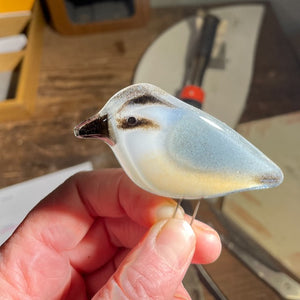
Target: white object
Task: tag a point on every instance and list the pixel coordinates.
(13, 43)
(164, 62)
(17, 200)
(172, 149)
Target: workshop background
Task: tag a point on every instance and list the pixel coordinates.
(57, 67)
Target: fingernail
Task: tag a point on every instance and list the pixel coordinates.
(204, 227)
(180, 297)
(167, 211)
(176, 242)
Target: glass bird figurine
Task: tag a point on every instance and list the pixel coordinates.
(173, 149)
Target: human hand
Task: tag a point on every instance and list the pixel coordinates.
(100, 236)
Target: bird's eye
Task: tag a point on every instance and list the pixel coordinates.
(131, 121)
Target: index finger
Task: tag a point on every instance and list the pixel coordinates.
(110, 193)
(64, 217)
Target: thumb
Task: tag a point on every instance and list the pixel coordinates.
(155, 268)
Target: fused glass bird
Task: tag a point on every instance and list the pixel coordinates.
(173, 149)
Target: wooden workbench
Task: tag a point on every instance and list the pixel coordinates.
(79, 74)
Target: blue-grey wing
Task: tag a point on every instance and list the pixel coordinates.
(200, 142)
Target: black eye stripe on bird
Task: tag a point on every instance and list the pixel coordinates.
(141, 123)
(144, 100)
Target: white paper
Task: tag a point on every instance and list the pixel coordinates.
(17, 200)
(13, 43)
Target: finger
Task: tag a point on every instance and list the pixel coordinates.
(124, 232)
(182, 293)
(65, 216)
(143, 207)
(208, 243)
(117, 196)
(102, 241)
(208, 247)
(94, 250)
(96, 280)
(167, 251)
(76, 289)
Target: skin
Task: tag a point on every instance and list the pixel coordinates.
(99, 236)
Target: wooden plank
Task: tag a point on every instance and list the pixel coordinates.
(9, 61)
(26, 93)
(28, 83)
(10, 108)
(271, 217)
(10, 25)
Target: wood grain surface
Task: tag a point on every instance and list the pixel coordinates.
(79, 74)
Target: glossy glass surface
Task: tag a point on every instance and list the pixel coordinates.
(172, 149)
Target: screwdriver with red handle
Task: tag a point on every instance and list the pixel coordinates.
(192, 92)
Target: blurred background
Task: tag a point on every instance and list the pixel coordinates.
(287, 13)
(61, 60)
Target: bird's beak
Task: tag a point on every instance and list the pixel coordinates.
(94, 127)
